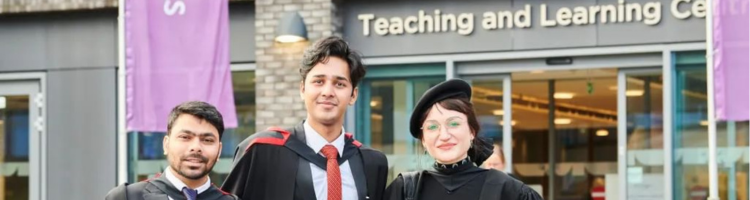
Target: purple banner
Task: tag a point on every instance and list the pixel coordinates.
(731, 59)
(176, 51)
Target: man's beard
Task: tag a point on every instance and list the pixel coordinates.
(200, 175)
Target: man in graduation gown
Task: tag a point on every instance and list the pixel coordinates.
(316, 159)
(192, 146)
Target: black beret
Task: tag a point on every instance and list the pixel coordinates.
(453, 88)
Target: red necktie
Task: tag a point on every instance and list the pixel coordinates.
(332, 172)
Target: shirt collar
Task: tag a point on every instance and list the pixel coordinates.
(177, 183)
(317, 142)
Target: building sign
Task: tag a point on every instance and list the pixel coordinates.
(443, 26)
(649, 13)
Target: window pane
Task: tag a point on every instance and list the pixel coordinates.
(577, 142)
(690, 139)
(530, 134)
(14, 147)
(732, 143)
(390, 110)
(487, 97)
(645, 168)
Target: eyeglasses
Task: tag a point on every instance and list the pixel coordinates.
(433, 126)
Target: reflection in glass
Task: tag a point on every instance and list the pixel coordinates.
(690, 139)
(645, 168)
(14, 147)
(690, 135)
(732, 143)
(487, 98)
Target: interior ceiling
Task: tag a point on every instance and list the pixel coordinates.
(531, 98)
(531, 101)
(19, 102)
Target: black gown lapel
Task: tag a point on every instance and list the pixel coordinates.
(306, 154)
(356, 165)
(304, 183)
(162, 184)
(298, 145)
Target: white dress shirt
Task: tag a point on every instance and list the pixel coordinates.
(177, 183)
(319, 176)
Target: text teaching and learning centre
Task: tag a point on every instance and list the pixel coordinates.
(580, 94)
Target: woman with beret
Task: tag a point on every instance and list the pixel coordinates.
(445, 123)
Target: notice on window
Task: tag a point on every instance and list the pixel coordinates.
(651, 187)
(635, 175)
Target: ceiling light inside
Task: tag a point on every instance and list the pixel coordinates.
(634, 93)
(564, 95)
(512, 123)
(704, 122)
(537, 71)
(562, 121)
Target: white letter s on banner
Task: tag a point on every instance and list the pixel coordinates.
(170, 9)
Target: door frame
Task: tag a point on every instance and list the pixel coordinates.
(33, 85)
(622, 135)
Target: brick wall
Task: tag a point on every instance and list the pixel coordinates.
(277, 65)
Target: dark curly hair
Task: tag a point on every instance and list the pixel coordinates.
(333, 46)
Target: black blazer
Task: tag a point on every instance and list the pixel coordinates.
(160, 188)
(275, 165)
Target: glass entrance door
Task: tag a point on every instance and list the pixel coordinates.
(640, 102)
(566, 128)
(564, 132)
(20, 151)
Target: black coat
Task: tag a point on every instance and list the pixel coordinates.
(475, 184)
(160, 188)
(275, 165)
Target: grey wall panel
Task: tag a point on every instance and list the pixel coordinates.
(82, 40)
(668, 30)
(22, 45)
(58, 40)
(81, 133)
(538, 37)
(242, 32)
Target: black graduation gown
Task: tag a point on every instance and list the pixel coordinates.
(470, 183)
(160, 188)
(275, 165)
